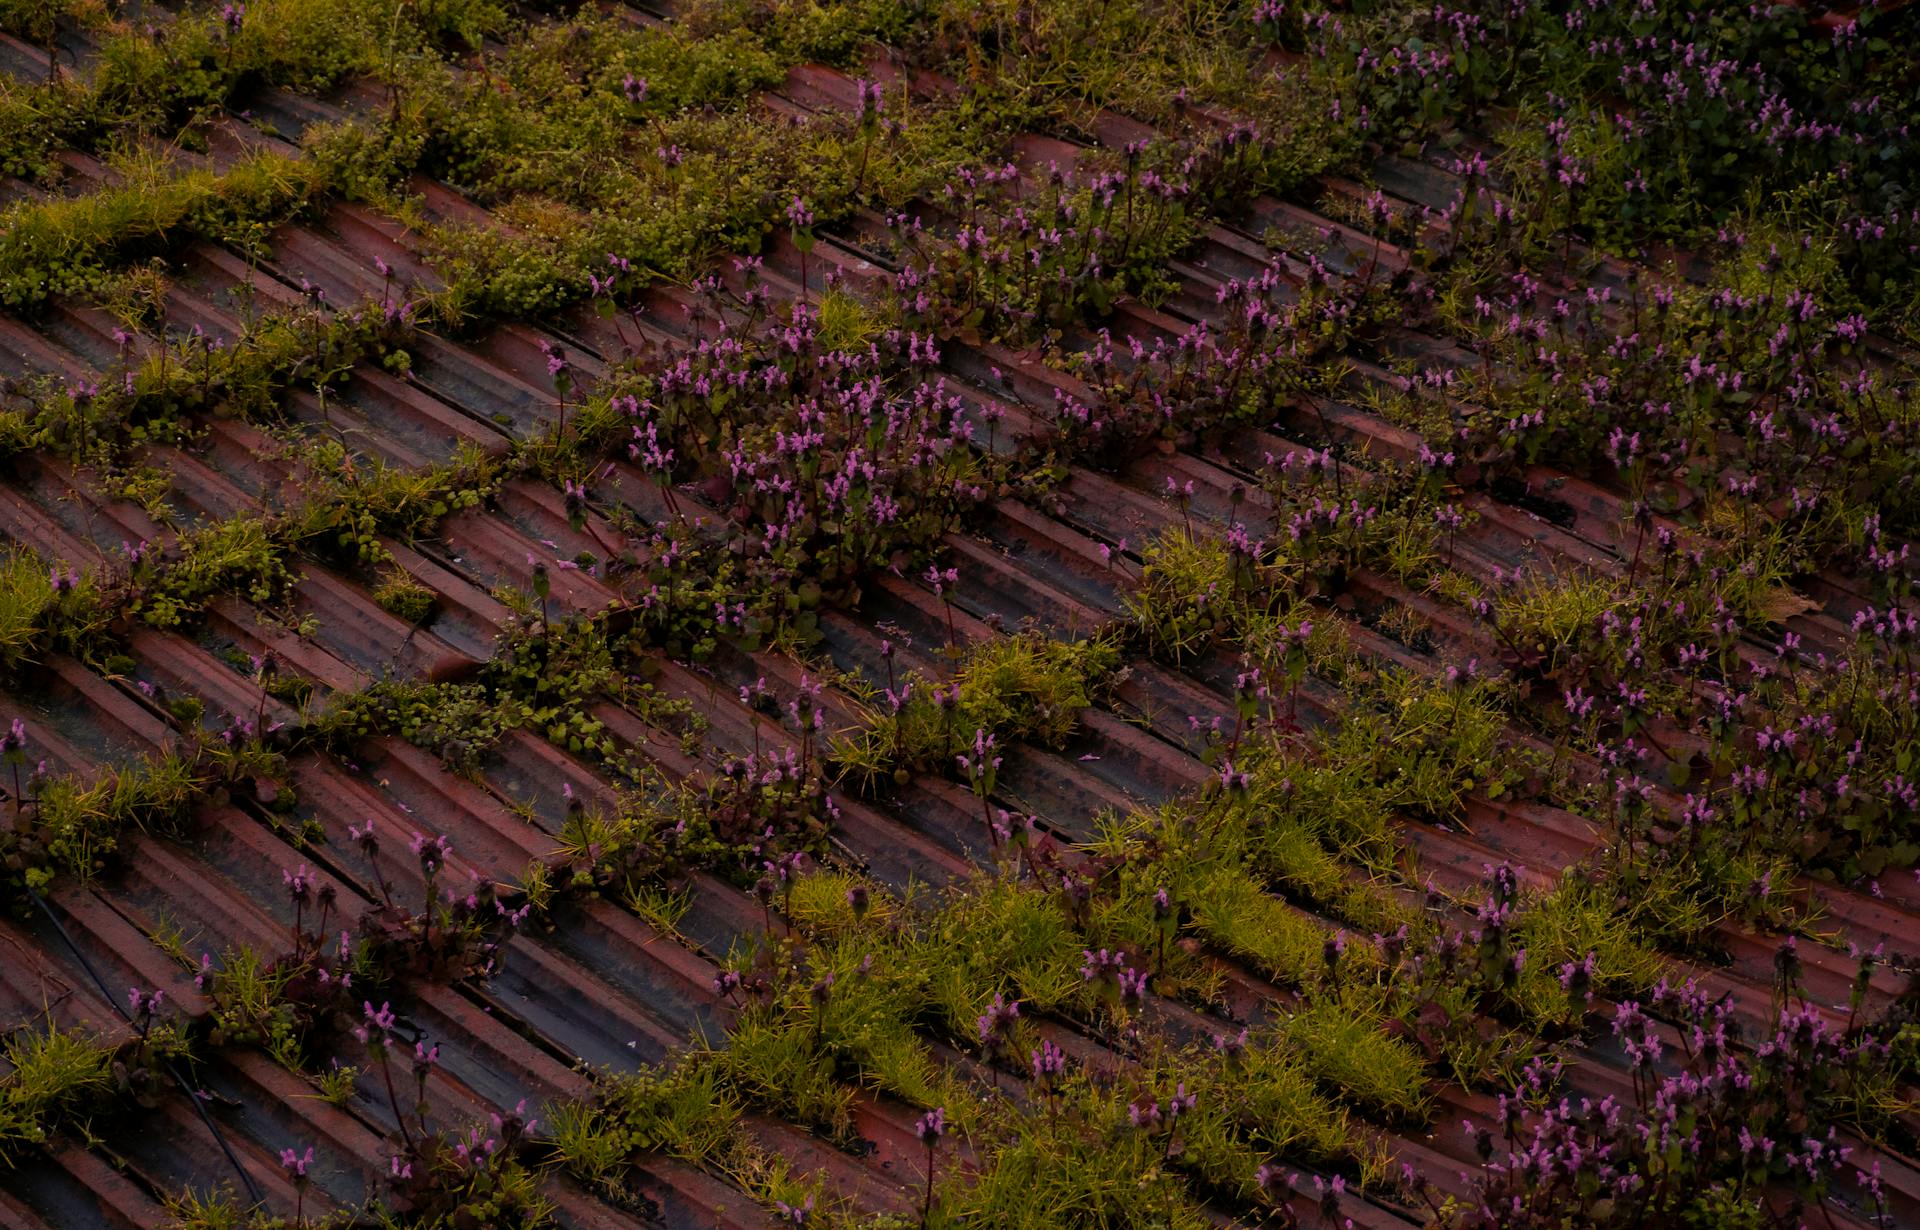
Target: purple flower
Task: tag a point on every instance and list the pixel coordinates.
(998, 1019)
(296, 1164)
(871, 101)
(431, 851)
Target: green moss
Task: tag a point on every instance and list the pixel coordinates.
(403, 597)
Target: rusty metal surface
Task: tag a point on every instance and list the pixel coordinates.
(603, 986)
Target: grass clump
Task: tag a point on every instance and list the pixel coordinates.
(683, 1111)
(1578, 920)
(1341, 1040)
(73, 825)
(1199, 590)
(26, 592)
(66, 246)
(52, 1074)
(1026, 686)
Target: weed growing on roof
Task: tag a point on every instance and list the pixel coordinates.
(163, 81)
(685, 1111)
(147, 394)
(1027, 686)
(844, 1007)
(35, 596)
(62, 1080)
(1750, 426)
(51, 1074)
(73, 826)
(1196, 589)
(65, 246)
(221, 1208)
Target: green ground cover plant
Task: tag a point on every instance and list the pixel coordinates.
(1331, 299)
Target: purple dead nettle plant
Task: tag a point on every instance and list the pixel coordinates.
(1049, 1064)
(1166, 921)
(376, 1032)
(930, 1128)
(996, 1025)
(560, 372)
(801, 219)
(13, 749)
(295, 1164)
(302, 891)
(982, 768)
(821, 994)
(1151, 1115)
(772, 807)
(1711, 1117)
(1276, 1187)
(143, 1006)
(1116, 984)
(871, 104)
(943, 582)
(1033, 845)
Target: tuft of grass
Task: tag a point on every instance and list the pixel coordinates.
(1186, 598)
(51, 1074)
(77, 824)
(684, 1111)
(1341, 1041)
(1078, 1165)
(777, 1066)
(1579, 917)
(1027, 686)
(399, 595)
(26, 591)
(999, 937)
(817, 903)
(845, 322)
(1238, 917)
